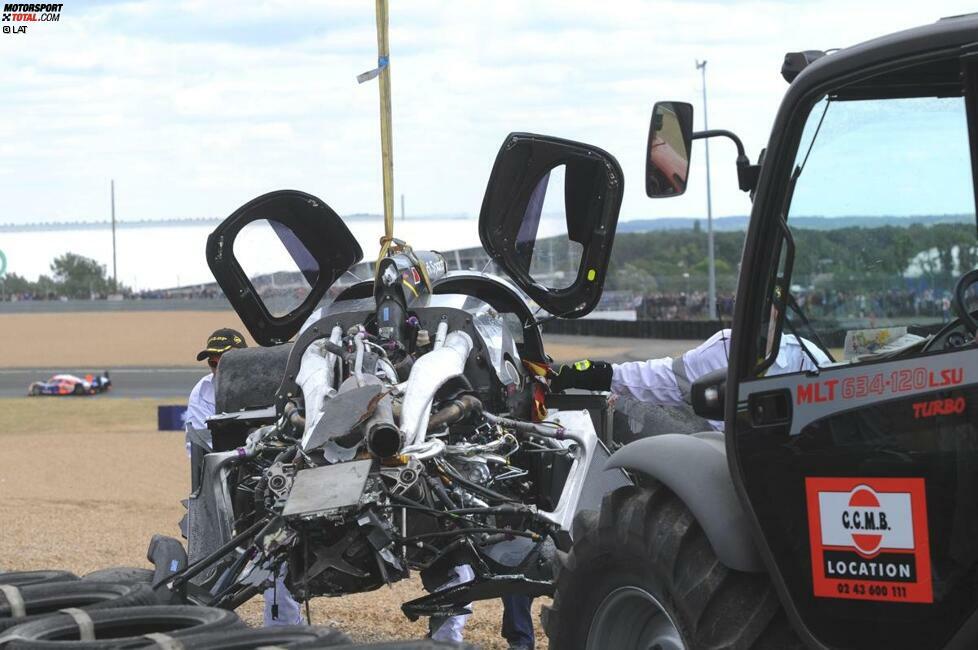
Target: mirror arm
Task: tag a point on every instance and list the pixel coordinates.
(712, 133)
(747, 173)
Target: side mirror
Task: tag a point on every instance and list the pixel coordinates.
(669, 148)
(549, 217)
(276, 256)
(963, 291)
(708, 394)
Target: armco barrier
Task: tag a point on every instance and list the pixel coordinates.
(645, 329)
(65, 306)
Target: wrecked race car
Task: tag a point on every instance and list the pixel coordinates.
(408, 427)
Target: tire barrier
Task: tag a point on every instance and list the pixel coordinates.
(286, 636)
(126, 627)
(638, 329)
(20, 605)
(420, 644)
(136, 576)
(23, 578)
(122, 575)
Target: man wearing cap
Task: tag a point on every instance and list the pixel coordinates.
(200, 404)
(280, 607)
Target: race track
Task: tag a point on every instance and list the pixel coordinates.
(126, 382)
(177, 382)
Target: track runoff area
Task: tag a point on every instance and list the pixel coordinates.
(176, 382)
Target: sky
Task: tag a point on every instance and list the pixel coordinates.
(194, 108)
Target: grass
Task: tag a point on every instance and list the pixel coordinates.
(77, 415)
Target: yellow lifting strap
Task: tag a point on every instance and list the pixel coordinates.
(386, 136)
(388, 243)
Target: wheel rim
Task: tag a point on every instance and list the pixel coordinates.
(631, 618)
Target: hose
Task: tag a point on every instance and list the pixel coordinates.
(475, 487)
(455, 412)
(546, 431)
(358, 363)
(470, 531)
(425, 450)
(440, 333)
(439, 491)
(291, 412)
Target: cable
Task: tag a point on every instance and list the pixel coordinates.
(469, 531)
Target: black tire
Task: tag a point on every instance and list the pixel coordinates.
(40, 600)
(35, 391)
(420, 644)
(118, 628)
(23, 578)
(78, 389)
(645, 561)
(121, 574)
(136, 576)
(285, 636)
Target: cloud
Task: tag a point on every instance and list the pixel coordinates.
(196, 107)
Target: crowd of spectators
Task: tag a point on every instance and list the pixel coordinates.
(204, 292)
(893, 303)
(682, 306)
(928, 304)
(185, 293)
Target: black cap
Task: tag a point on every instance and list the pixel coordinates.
(221, 341)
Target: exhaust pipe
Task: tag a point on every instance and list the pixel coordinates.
(384, 439)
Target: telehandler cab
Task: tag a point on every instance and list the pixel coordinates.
(840, 508)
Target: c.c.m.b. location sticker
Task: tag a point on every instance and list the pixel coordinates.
(869, 539)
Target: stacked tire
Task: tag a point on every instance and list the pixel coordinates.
(161, 626)
(23, 578)
(117, 608)
(290, 636)
(22, 604)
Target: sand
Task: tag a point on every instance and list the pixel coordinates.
(106, 340)
(86, 483)
(109, 339)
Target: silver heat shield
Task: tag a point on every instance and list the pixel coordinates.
(428, 374)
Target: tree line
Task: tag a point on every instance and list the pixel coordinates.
(842, 258)
(72, 276)
(674, 261)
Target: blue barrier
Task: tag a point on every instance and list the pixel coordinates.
(170, 417)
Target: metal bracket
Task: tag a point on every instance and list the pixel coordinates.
(453, 600)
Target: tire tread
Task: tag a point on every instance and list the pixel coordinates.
(717, 608)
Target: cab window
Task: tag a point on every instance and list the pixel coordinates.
(882, 215)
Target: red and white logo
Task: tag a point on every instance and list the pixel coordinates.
(866, 520)
(869, 538)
